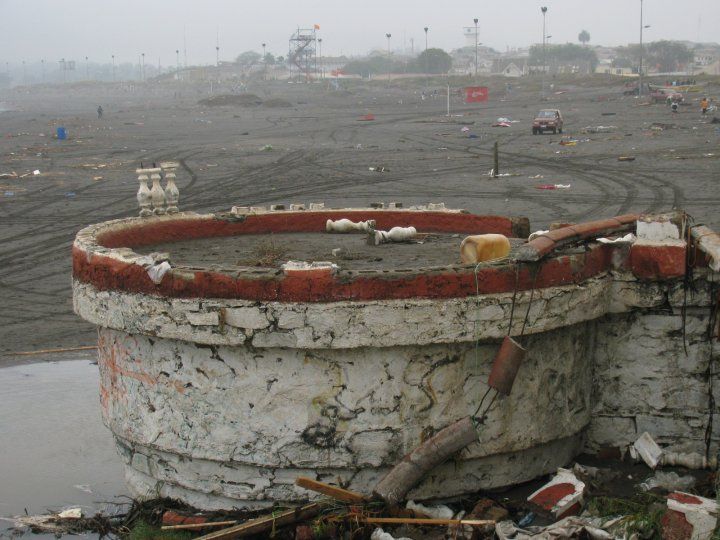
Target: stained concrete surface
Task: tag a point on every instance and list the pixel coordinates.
(55, 450)
(321, 152)
(276, 249)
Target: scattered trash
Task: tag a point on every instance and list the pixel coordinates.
(9, 194)
(669, 481)
(553, 186)
(472, 136)
(6, 176)
(598, 129)
(536, 177)
(608, 114)
(379, 534)
(434, 512)
(267, 148)
(36, 172)
(464, 129)
(61, 133)
(647, 449)
(626, 158)
(501, 124)
(562, 496)
(83, 487)
(71, 513)
(378, 169)
(571, 527)
(367, 118)
(534, 235)
(97, 178)
(527, 519)
(70, 195)
(627, 239)
(568, 143)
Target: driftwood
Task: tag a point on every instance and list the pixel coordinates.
(413, 467)
(196, 526)
(334, 492)
(48, 351)
(427, 521)
(266, 523)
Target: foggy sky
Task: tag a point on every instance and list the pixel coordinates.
(73, 29)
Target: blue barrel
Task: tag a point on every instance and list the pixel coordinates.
(61, 133)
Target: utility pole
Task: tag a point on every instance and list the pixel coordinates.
(87, 69)
(113, 68)
(177, 70)
(24, 74)
(544, 13)
(388, 36)
(142, 67)
(264, 62)
(185, 47)
(476, 46)
(322, 69)
(42, 68)
(217, 49)
(426, 56)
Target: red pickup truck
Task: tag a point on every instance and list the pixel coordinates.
(548, 120)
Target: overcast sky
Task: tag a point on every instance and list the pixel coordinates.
(73, 29)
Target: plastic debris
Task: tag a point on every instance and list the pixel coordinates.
(527, 519)
(626, 158)
(367, 118)
(534, 235)
(157, 271)
(598, 129)
(267, 148)
(629, 238)
(669, 481)
(647, 449)
(379, 534)
(71, 513)
(571, 527)
(378, 168)
(434, 512)
(464, 129)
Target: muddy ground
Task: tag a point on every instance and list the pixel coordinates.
(320, 151)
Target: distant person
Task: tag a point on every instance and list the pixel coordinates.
(100, 111)
(704, 105)
(674, 107)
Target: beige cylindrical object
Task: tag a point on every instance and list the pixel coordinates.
(483, 248)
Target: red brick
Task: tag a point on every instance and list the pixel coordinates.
(170, 517)
(658, 261)
(675, 526)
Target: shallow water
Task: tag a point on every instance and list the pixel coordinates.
(54, 450)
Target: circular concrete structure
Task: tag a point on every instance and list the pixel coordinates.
(222, 385)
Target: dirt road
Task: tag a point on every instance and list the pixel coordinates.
(320, 151)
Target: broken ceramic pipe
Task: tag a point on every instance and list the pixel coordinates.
(484, 248)
(396, 235)
(562, 496)
(689, 516)
(348, 226)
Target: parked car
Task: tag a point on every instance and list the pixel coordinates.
(667, 95)
(548, 120)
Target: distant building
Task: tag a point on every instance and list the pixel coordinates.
(510, 67)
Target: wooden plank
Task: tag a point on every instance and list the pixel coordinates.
(266, 523)
(195, 526)
(427, 521)
(334, 492)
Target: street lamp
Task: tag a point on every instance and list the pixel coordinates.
(113, 67)
(142, 67)
(87, 69)
(640, 70)
(476, 45)
(177, 69)
(42, 68)
(544, 14)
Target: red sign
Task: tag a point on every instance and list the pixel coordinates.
(476, 94)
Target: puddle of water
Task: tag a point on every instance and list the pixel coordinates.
(54, 450)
